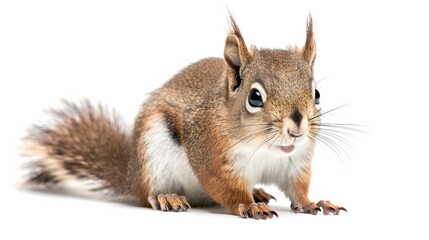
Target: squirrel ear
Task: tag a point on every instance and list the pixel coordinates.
(236, 53)
(309, 53)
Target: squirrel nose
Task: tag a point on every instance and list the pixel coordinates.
(294, 134)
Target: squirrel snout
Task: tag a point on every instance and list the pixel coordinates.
(294, 134)
(293, 130)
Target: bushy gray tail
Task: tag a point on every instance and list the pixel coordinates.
(82, 142)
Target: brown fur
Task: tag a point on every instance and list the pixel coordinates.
(204, 108)
(209, 156)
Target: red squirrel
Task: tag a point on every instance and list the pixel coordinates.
(207, 136)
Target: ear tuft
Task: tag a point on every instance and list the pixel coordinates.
(309, 53)
(233, 27)
(236, 53)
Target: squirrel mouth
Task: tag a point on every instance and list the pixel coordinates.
(287, 149)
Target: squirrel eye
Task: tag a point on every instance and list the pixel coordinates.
(255, 98)
(316, 96)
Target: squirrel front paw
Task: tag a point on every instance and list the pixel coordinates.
(256, 211)
(314, 208)
(328, 207)
(169, 202)
(311, 208)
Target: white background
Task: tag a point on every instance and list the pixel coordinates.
(370, 55)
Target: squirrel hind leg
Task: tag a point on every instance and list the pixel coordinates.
(169, 202)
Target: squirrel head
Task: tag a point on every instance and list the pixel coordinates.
(273, 91)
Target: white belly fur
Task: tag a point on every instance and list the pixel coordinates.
(264, 168)
(170, 171)
(169, 167)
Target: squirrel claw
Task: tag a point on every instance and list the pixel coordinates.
(256, 211)
(259, 195)
(311, 208)
(169, 202)
(328, 207)
(185, 203)
(296, 208)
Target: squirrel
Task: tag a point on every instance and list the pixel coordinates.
(206, 137)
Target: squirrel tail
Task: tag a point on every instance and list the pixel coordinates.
(83, 142)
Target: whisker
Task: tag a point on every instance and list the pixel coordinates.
(350, 127)
(272, 136)
(333, 130)
(329, 143)
(248, 138)
(271, 145)
(276, 117)
(326, 112)
(227, 130)
(253, 135)
(275, 140)
(337, 136)
(333, 145)
(312, 116)
(322, 79)
(339, 152)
